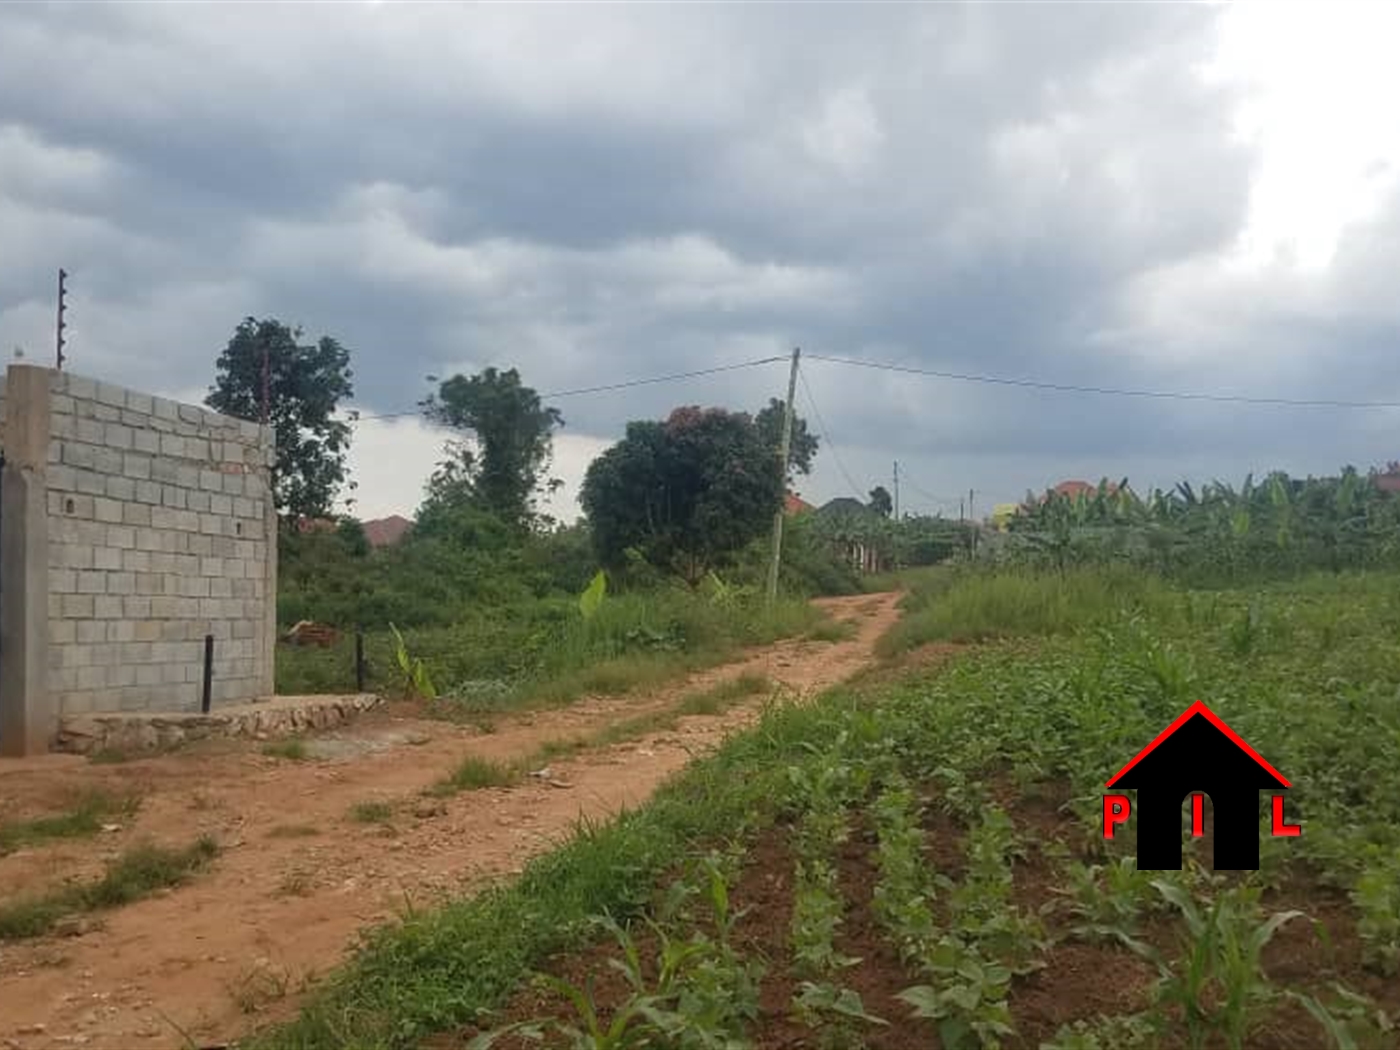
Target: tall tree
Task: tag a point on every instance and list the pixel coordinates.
(503, 471)
(803, 448)
(881, 502)
(686, 492)
(305, 385)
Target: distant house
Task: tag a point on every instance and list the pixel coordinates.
(793, 505)
(1073, 489)
(385, 532)
(1002, 514)
(1390, 480)
(854, 536)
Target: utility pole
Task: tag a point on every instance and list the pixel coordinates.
(896, 490)
(972, 521)
(783, 452)
(62, 306)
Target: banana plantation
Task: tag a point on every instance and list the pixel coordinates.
(1279, 526)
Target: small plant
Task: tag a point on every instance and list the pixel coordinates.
(1377, 898)
(591, 600)
(969, 1001)
(1128, 1032)
(413, 673)
(372, 812)
(90, 811)
(293, 750)
(474, 773)
(836, 1014)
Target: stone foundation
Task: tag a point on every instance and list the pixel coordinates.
(84, 734)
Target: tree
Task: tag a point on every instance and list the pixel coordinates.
(686, 493)
(305, 387)
(513, 431)
(880, 501)
(803, 448)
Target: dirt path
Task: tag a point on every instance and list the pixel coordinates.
(299, 877)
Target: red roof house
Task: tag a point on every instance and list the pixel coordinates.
(385, 532)
(793, 504)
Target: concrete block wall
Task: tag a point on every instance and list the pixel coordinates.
(156, 527)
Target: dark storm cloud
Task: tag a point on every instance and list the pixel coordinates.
(603, 193)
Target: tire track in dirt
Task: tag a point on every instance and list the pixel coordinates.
(238, 945)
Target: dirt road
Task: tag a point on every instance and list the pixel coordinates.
(300, 876)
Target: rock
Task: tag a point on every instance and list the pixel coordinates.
(31, 1029)
(109, 828)
(558, 783)
(543, 774)
(429, 808)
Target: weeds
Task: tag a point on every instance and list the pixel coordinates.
(135, 874)
(293, 750)
(89, 813)
(372, 812)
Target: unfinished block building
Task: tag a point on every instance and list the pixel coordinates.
(131, 528)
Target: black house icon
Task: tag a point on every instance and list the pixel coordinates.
(1198, 752)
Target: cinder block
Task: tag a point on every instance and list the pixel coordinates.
(148, 539)
(136, 561)
(90, 431)
(191, 414)
(121, 675)
(139, 403)
(201, 545)
(123, 489)
(137, 609)
(90, 482)
(148, 674)
(221, 506)
(107, 558)
(211, 480)
(166, 471)
(233, 484)
(244, 508)
(123, 537)
(162, 408)
(119, 436)
(211, 566)
(106, 414)
(64, 427)
(187, 476)
(59, 404)
(172, 445)
(111, 394)
(145, 440)
(107, 607)
(75, 454)
(91, 581)
(61, 633)
(211, 524)
(90, 632)
(150, 584)
(107, 461)
(197, 448)
(73, 606)
(149, 630)
(163, 518)
(172, 496)
(123, 583)
(197, 502)
(62, 479)
(136, 514)
(63, 581)
(221, 587)
(107, 510)
(148, 492)
(224, 546)
(195, 586)
(93, 677)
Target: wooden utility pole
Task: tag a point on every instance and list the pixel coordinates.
(783, 452)
(896, 490)
(266, 383)
(62, 306)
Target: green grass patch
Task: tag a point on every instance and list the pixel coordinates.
(90, 811)
(372, 812)
(722, 697)
(135, 874)
(973, 605)
(474, 773)
(1314, 691)
(833, 631)
(292, 750)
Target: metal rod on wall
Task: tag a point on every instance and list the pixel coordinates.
(208, 673)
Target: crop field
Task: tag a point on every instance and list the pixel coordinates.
(917, 860)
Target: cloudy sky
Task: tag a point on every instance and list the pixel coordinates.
(1169, 197)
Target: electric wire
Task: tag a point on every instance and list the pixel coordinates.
(826, 436)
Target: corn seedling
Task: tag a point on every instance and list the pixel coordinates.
(413, 672)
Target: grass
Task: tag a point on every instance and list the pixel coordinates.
(474, 773)
(721, 698)
(1312, 688)
(292, 750)
(543, 654)
(372, 812)
(833, 631)
(973, 606)
(91, 810)
(136, 873)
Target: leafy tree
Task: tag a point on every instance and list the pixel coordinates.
(880, 501)
(306, 384)
(504, 472)
(803, 448)
(686, 493)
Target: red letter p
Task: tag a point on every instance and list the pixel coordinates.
(1115, 811)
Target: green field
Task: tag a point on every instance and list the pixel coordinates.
(921, 859)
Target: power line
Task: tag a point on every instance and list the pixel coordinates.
(1172, 395)
(826, 436)
(624, 385)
